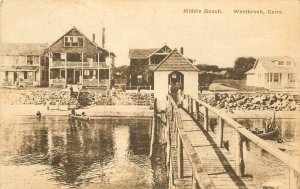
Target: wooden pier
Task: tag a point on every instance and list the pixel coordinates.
(196, 156)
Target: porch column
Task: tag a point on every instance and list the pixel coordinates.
(18, 74)
(66, 69)
(82, 69)
(40, 72)
(49, 69)
(74, 71)
(269, 81)
(98, 78)
(296, 80)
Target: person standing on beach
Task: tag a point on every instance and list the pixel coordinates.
(48, 104)
(57, 104)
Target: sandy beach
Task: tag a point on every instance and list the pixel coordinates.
(116, 110)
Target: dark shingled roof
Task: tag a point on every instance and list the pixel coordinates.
(175, 62)
(141, 53)
(19, 68)
(22, 48)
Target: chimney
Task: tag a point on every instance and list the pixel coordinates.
(94, 37)
(181, 50)
(103, 37)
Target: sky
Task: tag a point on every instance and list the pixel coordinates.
(216, 39)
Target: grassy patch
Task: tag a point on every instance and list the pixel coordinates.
(238, 84)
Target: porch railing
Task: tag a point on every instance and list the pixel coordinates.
(57, 81)
(61, 64)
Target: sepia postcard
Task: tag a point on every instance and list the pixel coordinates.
(164, 94)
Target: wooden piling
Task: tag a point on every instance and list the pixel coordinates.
(205, 118)
(221, 133)
(153, 133)
(194, 182)
(197, 111)
(180, 157)
(192, 108)
(239, 154)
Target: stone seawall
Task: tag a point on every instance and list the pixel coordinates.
(63, 97)
(251, 101)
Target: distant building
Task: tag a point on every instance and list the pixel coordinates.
(275, 73)
(23, 64)
(142, 60)
(75, 59)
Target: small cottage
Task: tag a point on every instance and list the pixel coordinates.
(274, 73)
(174, 69)
(23, 64)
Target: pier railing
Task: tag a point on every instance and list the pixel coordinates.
(200, 110)
(182, 142)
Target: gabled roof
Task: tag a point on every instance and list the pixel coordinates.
(175, 62)
(269, 64)
(163, 50)
(74, 28)
(146, 53)
(22, 48)
(141, 53)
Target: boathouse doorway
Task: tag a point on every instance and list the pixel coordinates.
(176, 78)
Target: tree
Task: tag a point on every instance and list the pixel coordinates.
(208, 68)
(241, 66)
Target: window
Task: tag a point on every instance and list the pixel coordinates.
(56, 56)
(29, 75)
(288, 63)
(29, 60)
(276, 77)
(25, 75)
(43, 76)
(292, 77)
(6, 75)
(62, 74)
(280, 63)
(269, 77)
(73, 57)
(16, 59)
(73, 41)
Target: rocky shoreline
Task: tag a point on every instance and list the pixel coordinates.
(251, 101)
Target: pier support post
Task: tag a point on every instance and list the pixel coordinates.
(194, 182)
(197, 111)
(180, 157)
(192, 108)
(153, 133)
(239, 159)
(205, 118)
(220, 134)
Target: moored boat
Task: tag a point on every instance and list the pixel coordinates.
(79, 117)
(272, 135)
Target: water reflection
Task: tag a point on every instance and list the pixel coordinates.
(102, 153)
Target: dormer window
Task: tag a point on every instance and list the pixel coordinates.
(280, 63)
(73, 41)
(288, 63)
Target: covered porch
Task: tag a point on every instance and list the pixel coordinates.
(20, 76)
(85, 77)
(275, 81)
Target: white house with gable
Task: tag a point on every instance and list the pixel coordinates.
(275, 73)
(174, 68)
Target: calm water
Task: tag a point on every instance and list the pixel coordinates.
(52, 153)
(262, 166)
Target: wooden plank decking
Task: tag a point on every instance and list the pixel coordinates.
(218, 163)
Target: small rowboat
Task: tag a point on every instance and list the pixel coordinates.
(79, 117)
(273, 135)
